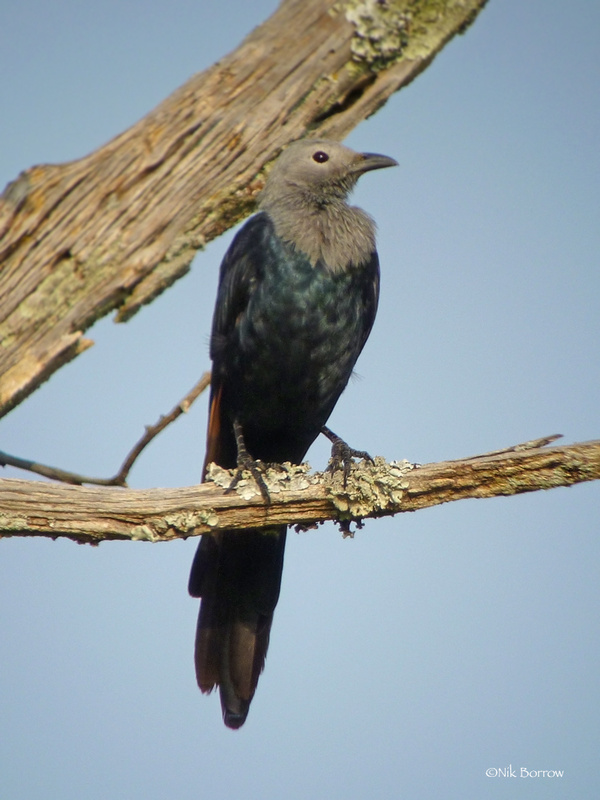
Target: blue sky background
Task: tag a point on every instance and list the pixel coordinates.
(433, 646)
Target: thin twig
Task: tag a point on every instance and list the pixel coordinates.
(120, 479)
(532, 444)
(153, 430)
(54, 473)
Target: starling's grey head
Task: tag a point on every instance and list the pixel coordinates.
(318, 171)
(305, 197)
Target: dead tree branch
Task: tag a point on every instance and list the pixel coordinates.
(31, 508)
(114, 229)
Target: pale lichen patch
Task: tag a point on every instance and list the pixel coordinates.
(144, 533)
(381, 31)
(371, 487)
(279, 478)
(158, 528)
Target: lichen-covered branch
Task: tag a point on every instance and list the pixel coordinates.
(114, 229)
(31, 508)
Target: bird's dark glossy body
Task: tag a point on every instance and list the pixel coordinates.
(282, 361)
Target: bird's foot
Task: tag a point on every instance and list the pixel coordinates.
(246, 462)
(254, 467)
(342, 455)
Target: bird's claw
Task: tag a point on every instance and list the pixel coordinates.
(246, 462)
(342, 455)
(256, 468)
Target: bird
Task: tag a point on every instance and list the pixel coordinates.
(296, 300)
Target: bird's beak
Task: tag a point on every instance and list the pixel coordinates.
(369, 161)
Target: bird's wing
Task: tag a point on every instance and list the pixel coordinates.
(241, 271)
(370, 296)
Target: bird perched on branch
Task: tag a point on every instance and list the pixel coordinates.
(297, 296)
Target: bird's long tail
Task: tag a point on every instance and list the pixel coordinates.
(238, 575)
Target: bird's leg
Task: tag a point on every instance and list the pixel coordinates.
(245, 461)
(342, 454)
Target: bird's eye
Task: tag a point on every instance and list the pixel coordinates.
(320, 157)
